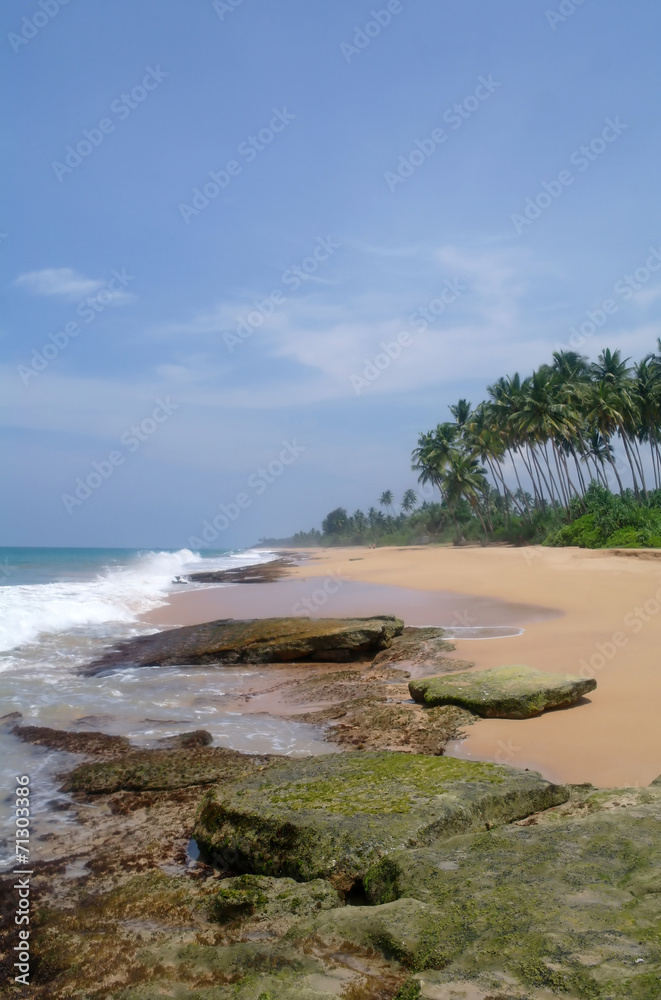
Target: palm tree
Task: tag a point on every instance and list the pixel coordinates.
(387, 499)
(359, 521)
(461, 411)
(648, 393)
(409, 500)
(562, 422)
(373, 516)
(615, 373)
(464, 478)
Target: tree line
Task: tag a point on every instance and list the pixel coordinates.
(574, 443)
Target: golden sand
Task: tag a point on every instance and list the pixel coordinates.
(610, 629)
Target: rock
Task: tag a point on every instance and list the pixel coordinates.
(560, 903)
(565, 903)
(264, 640)
(380, 725)
(271, 898)
(398, 930)
(421, 647)
(158, 770)
(515, 692)
(187, 741)
(334, 816)
(92, 743)
(11, 717)
(261, 573)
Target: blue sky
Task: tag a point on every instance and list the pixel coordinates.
(161, 350)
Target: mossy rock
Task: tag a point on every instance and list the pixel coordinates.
(334, 816)
(568, 903)
(400, 931)
(271, 898)
(262, 640)
(515, 692)
(161, 770)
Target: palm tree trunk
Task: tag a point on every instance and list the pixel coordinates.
(639, 463)
(563, 488)
(540, 472)
(631, 465)
(516, 473)
(614, 466)
(536, 486)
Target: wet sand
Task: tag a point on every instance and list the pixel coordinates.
(590, 612)
(336, 595)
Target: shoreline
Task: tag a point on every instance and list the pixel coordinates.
(589, 607)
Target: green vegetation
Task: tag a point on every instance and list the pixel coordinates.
(534, 463)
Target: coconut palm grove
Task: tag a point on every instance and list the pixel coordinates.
(568, 455)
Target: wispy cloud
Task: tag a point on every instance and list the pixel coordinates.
(62, 281)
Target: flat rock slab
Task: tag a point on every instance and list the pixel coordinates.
(90, 743)
(264, 640)
(163, 770)
(515, 692)
(335, 816)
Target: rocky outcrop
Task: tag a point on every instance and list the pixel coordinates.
(266, 899)
(160, 770)
(515, 692)
(333, 817)
(266, 572)
(420, 647)
(264, 640)
(555, 905)
(89, 743)
(563, 903)
(187, 741)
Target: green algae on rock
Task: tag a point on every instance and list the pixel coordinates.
(334, 816)
(267, 898)
(263, 640)
(514, 692)
(160, 770)
(564, 903)
(568, 901)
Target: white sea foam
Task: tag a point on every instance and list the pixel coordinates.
(119, 594)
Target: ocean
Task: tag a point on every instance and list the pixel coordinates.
(58, 609)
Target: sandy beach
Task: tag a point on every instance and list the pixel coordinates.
(594, 613)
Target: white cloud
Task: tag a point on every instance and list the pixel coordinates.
(63, 281)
